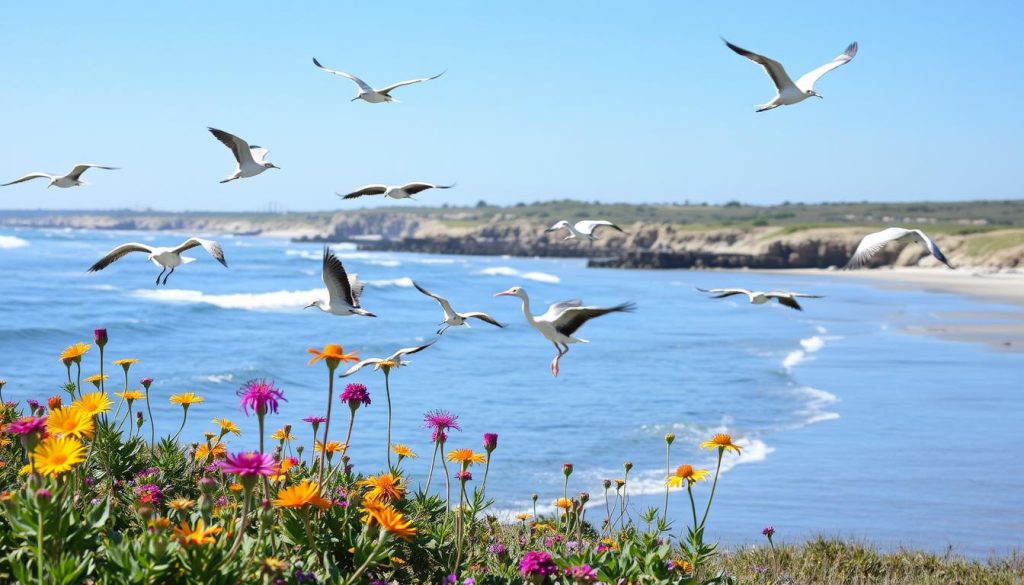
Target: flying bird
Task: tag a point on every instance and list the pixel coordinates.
(163, 257)
(872, 243)
(583, 229)
(250, 160)
(393, 191)
(343, 289)
(72, 179)
(367, 93)
(786, 92)
(562, 320)
(783, 297)
(453, 319)
(393, 361)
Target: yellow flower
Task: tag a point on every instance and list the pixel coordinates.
(282, 435)
(686, 475)
(332, 447)
(235, 487)
(4, 441)
(227, 426)
(334, 354)
(94, 403)
(130, 395)
(543, 526)
(523, 517)
(186, 399)
(304, 493)
(217, 451)
(619, 483)
(181, 504)
(681, 566)
(466, 456)
(282, 469)
(389, 519)
(159, 524)
(57, 455)
(563, 503)
(402, 451)
(95, 379)
(74, 353)
(127, 363)
(385, 487)
(198, 536)
(273, 565)
(721, 442)
(70, 422)
(25, 469)
(611, 544)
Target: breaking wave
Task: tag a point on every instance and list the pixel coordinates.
(278, 301)
(509, 271)
(12, 242)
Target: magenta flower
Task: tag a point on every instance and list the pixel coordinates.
(100, 337)
(441, 421)
(490, 441)
(464, 475)
(26, 425)
(582, 574)
(769, 531)
(355, 395)
(149, 494)
(438, 437)
(537, 564)
(146, 382)
(316, 420)
(261, 396)
(249, 464)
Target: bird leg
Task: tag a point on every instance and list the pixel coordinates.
(443, 329)
(159, 275)
(554, 362)
(168, 276)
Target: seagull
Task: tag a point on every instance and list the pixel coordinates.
(367, 93)
(393, 361)
(163, 257)
(394, 191)
(72, 179)
(583, 229)
(561, 320)
(343, 289)
(250, 160)
(787, 92)
(872, 243)
(783, 297)
(453, 319)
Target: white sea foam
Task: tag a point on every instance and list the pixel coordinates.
(439, 261)
(799, 356)
(499, 271)
(403, 282)
(509, 271)
(219, 378)
(277, 301)
(11, 242)
(816, 409)
(386, 263)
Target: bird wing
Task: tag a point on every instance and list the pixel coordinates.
(258, 153)
(784, 293)
(721, 293)
(118, 253)
(483, 317)
(872, 243)
(933, 248)
(385, 90)
(29, 177)
(239, 147)
(787, 301)
(76, 172)
(572, 319)
(367, 190)
(807, 81)
(588, 226)
(360, 366)
(357, 288)
(212, 248)
(773, 68)
(558, 308)
(339, 287)
(362, 84)
(441, 300)
(415, 187)
(410, 350)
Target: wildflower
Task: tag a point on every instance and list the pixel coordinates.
(522, 517)
(26, 425)
(619, 484)
(402, 451)
(441, 421)
(54, 402)
(627, 466)
(563, 503)
(74, 353)
(490, 442)
(248, 464)
(464, 476)
(302, 494)
(385, 487)
(466, 457)
(158, 524)
(96, 380)
(130, 395)
(100, 337)
(57, 455)
(94, 403)
(722, 442)
(146, 382)
(567, 469)
(273, 565)
(769, 531)
(686, 475)
(389, 519)
(125, 364)
(332, 447)
(149, 494)
(497, 549)
(70, 422)
(355, 395)
(216, 451)
(315, 420)
(181, 504)
(236, 487)
(537, 564)
(283, 467)
(333, 354)
(670, 438)
(581, 574)
(283, 434)
(261, 396)
(186, 399)
(679, 565)
(198, 536)
(227, 426)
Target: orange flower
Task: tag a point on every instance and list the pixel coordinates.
(198, 536)
(332, 447)
(389, 519)
(304, 493)
(686, 475)
(466, 457)
(74, 353)
(334, 354)
(217, 451)
(563, 503)
(385, 487)
(722, 442)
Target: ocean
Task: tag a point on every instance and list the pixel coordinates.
(849, 425)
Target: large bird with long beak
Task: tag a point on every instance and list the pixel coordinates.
(562, 320)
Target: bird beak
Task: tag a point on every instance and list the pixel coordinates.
(354, 99)
(313, 304)
(273, 166)
(820, 96)
(506, 293)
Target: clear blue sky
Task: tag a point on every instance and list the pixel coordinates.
(618, 101)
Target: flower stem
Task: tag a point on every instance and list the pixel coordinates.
(327, 424)
(152, 427)
(487, 468)
(668, 471)
(387, 393)
(243, 525)
(447, 483)
(714, 484)
(693, 506)
(40, 564)
(184, 417)
(430, 474)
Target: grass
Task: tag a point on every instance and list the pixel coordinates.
(989, 243)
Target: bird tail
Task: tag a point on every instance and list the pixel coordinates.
(766, 107)
(186, 260)
(363, 312)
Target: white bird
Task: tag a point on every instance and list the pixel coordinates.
(783, 297)
(163, 257)
(583, 229)
(250, 160)
(367, 93)
(453, 319)
(394, 191)
(561, 320)
(343, 290)
(787, 92)
(72, 179)
(393, 361)
(872, 243)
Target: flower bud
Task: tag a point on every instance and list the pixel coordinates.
(584, 497)
(490, 442)
(607, 483)
(207, 485)
(44, 495)
(100, 337)
(567, 469)
(139, 420)
(669, 438)
(534, 496)
(146, 382)
(627, 466)
(53, 402)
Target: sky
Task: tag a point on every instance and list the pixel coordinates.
(607, 101)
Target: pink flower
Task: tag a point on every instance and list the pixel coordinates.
(26, 425)
(261, 396)
(582, 574)
(100, 337)
(441, 421)
(355, 395)
(464, 475)
(316, 420)
(490, 441)
(537, 564)
(249, 464)
(146, 382)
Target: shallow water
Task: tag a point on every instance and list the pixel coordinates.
(849, 426)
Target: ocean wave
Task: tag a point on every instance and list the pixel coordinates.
(817, 402)
(509, 271)
(403, 282)
(439, 261)
(218, 378)
(385, 263)
(796, 357)
(283, 300)
(12, 242)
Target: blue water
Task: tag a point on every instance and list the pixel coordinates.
(850, 426)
